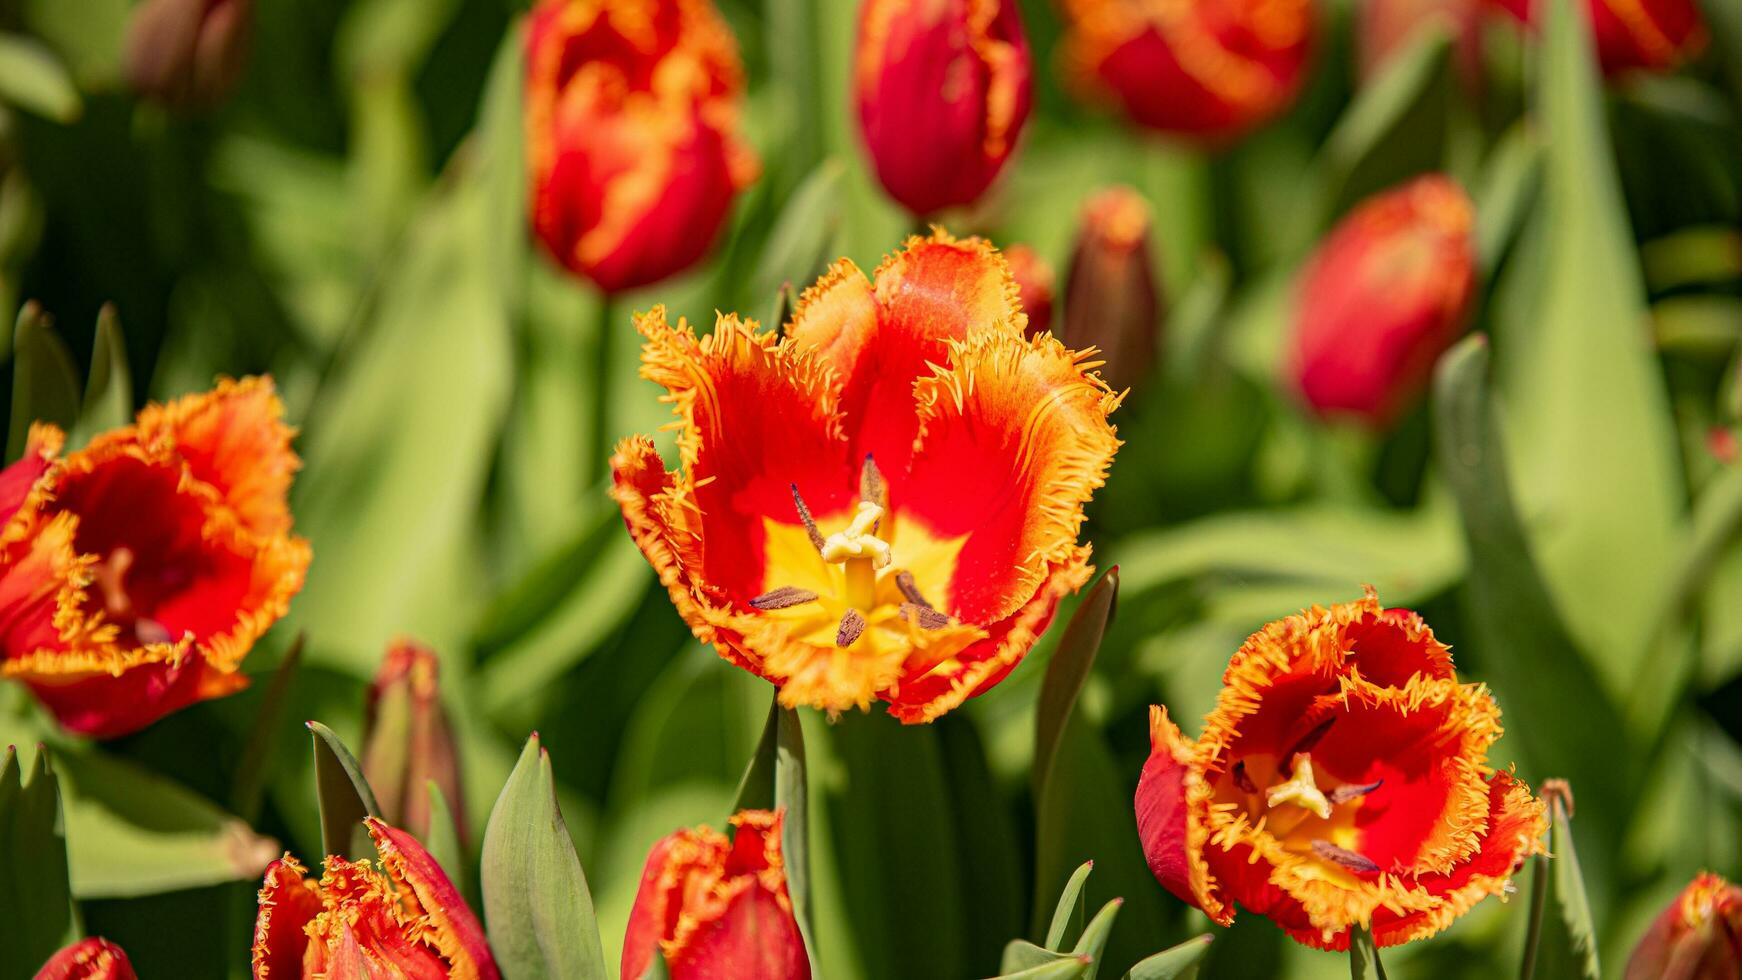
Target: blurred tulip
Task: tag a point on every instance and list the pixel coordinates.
(632, 135)
(943, 90)
(714, 907)
(1386, 27)
(188, 54)
(1034, 284)
(88, 959)
(408, 742)
(403, 918)
(137, 572)
(1697, 937)
(1651, 35)
(1111, 300)
(1341, 780)
(1210, 69)
(1385, 294)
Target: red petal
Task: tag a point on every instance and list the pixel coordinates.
(288, 902)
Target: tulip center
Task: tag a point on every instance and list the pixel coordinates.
(111, 580)
(1303, 809)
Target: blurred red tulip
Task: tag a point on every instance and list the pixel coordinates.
(408, 742)
(1697, 937)
(88, 959)
(714, 907)
(1385, 27)
(1210, 69)
(1653, 35)
(1385, 294)
(632, 135)
(188, 54)
(942, 88)
(1034, 284)
(1111, 300)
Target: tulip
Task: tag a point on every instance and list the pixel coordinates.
(188, 53)
(713, 907)
(408, 741)
(1341, 781)
(1385, 27)
(632, 135)
(137, 572)
(1647, 35)
(1697, 937)
(401, 919)
(1384, 295)
(1034, 285)
(942, 88)
(884, 504)
(1207, 69)
(88, 959)
(1111, 301)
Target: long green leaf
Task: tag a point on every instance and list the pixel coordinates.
(1175, 963)
(109, 389)
(443, 838)
(1094, 938)
(536, 903)
(33, 79)
(803, 237)
(45, 388)
(1562, 942)
(344, 795)
(1069, 910)
(1068, 671)
(1068, 968)
(1020, 954)
(35, 895)
(1364, 956)
(253, 768)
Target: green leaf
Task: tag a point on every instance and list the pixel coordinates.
(253, 768)
(987, 840)
(34, 80)
(1509, 184)
(1069, 911)
(1562, 942)
(803, 237)
(1094, 938)
(1176, 963)
(45, 388)
(345, 796)
(1020, 954)
(443, 839)
(109, 389)
(35, 896)
(1068, 968)
(775, 780)
(1067, 671)
(1364, 956)
(536, 903)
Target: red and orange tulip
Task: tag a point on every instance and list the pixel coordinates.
(713, 907)
(1111, 300)
(403, 919)
(942, 90)
(1698, 936)
(408, 741)
(632, 134)
(1210, 69)
(188, 54)
(137, 572)
(1341, 780)
(88, 959)
(1382, 298)
(1648, 35)
(1385, 27)
(883, 504)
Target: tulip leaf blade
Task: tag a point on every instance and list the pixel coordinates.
(1174, 963)
(442, 841)
(45, 388)
(1020, 954)
(36, 901)
(537, 908)
(252, 768)
(1562, 941)
(775, 779)
(1069, 911)
(343, 794)
(803, 235)
(1066, 967)
(1068, 671)
(33, 79)
(1094, 937)
(108, 401)
(1364, 961)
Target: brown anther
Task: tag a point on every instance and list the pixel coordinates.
(925, 616)
(804, 514)
(1353, 791)
(1241, 779)
(783, 597)
(871, 482)
(111, 576)
(904, 581)
(852, 624)
(1346, 858)
(149, 631)
(1311, 738)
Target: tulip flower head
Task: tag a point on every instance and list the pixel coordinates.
(137, 572)
(1112, 303)
(88, 959)
(1697, 937)
(632, 135)
(717, 907)
(1632, 35)
(188, 54)
(942, 88)
(1382, 298)
(408, 740)
(1204, 69)
(401, 919)
(1387, 27)
(1034, 286)
(1340, 781)
(884, 503)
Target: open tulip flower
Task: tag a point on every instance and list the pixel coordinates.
(403, 919)
(137, 572)
(884, 503)
(717, 907)
(1340, 781)
(1643, 35)
(88, 959)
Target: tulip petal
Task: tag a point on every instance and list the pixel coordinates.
(19, 481)
(452, 928)
(289, 901)
(234, 440)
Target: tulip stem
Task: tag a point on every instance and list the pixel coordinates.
(604, 353)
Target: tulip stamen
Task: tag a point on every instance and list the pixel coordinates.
(782, 598)
(111, 580)
(1242, 779)
(924, 616)
(852, 625)
(1345, 858)
(1311, 739)
(804, 514)
(1353, 791)
(871, 483)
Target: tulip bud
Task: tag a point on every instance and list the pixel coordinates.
(1653, 35)
(1385, 294)
(1034, 282)
(407, 739)
(88, 959)
(188, 54)
(1698, 937)
(714, 907)
(632, 135)
(1385, 27)
(1111, 299)
(1210, 69)
(943, 90)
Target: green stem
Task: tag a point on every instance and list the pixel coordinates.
(604, 354)
(1538, 903)
(1364, 956)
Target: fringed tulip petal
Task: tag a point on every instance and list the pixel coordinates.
(88, 959)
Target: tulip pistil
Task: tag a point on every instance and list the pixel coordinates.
(111, 580)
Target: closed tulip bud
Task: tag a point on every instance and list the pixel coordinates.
(1386, 27)
(1698, 937)
(1385, 294)
(717, 907)
(1650, 35)
(88, 959)
(1034, 284)
(943, 90)
(408, 741)
(1111, 300)
(632, 135)
(1209, 69)
(188, 54)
